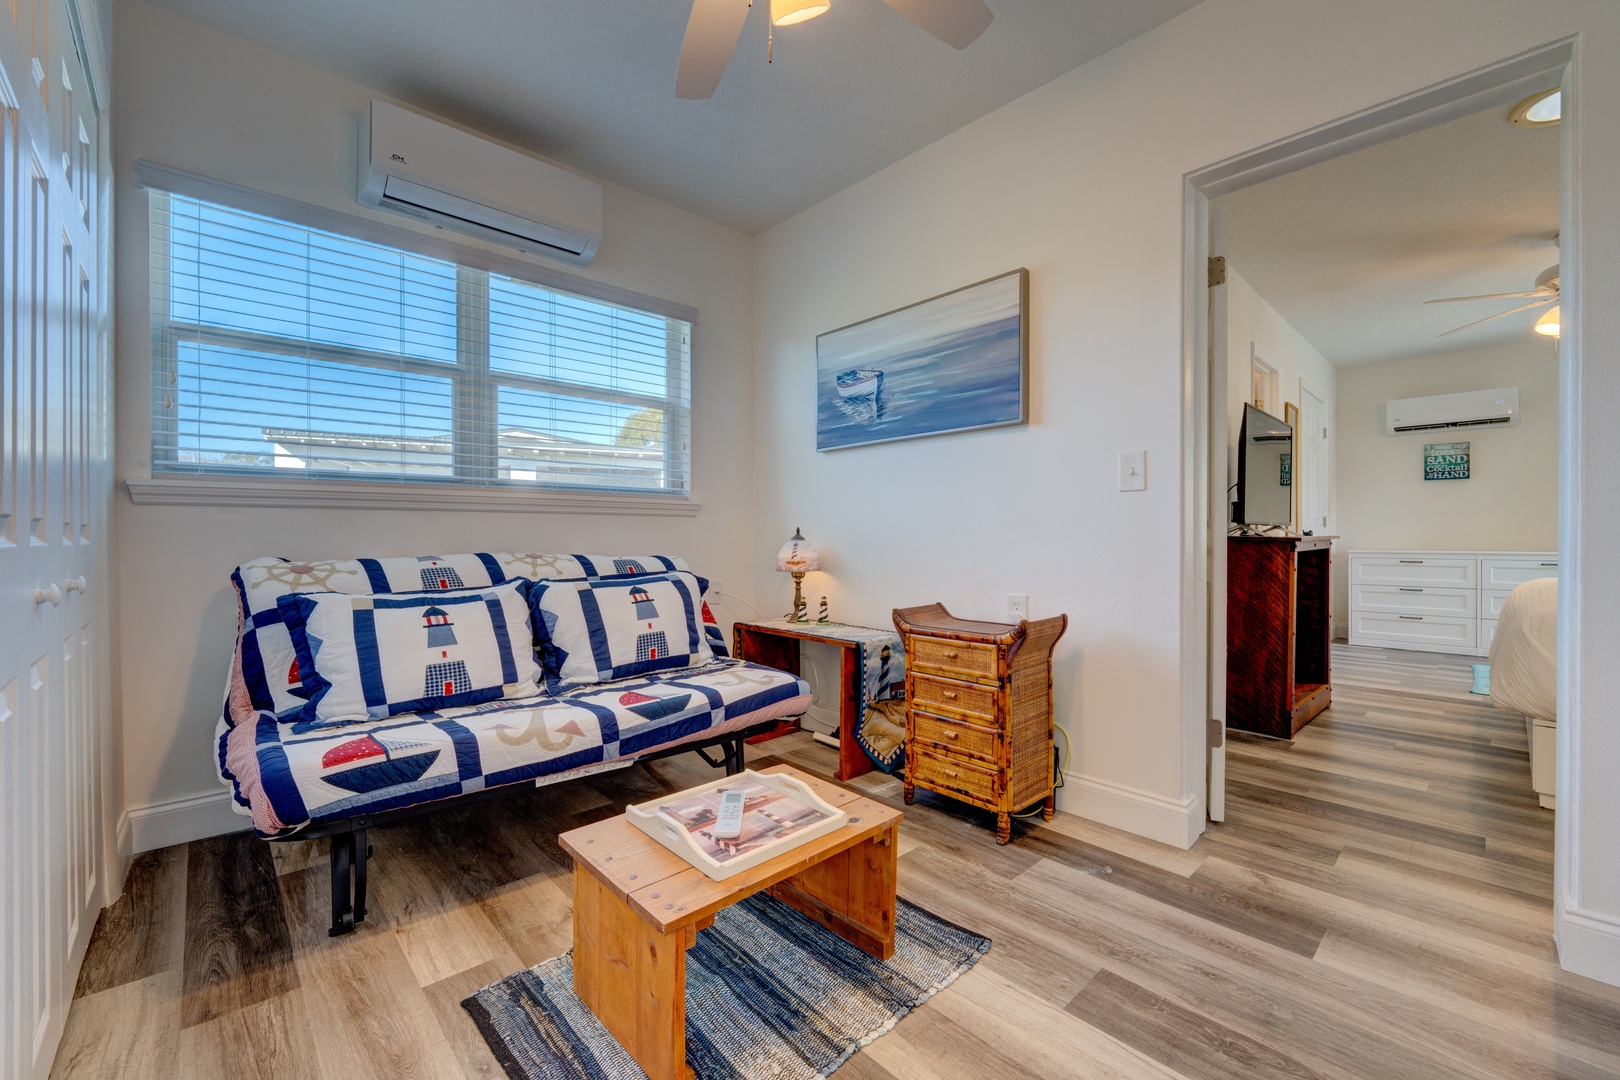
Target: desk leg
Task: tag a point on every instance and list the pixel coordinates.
(852, 760)
(851, 893)
(632, 977)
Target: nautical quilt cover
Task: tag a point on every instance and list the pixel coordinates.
(370, 657)
(597, 631)
(286, 778)
(265, 676)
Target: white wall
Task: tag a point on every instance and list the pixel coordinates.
(216, 105)
(1510, 500)
(1082, 182)
(1253, 327)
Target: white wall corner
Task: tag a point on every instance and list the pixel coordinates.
(1589, 944)
(1177, 822)
(178, 821)
(121, 838)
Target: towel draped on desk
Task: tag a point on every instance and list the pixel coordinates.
(879, 657)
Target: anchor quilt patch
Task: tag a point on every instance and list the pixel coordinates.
(597, 631)
(370, 657)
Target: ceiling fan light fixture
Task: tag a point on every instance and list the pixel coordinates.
(1548, 325)
(1543, 109)
(788, 12)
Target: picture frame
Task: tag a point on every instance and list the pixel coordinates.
(955, 362)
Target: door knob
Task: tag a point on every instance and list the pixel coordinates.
(51, 596)
(74, 585)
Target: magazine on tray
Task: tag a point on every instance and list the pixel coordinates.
(779, 813)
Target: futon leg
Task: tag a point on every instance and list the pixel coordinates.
(342, 905)
(362, 851)
(734, 757)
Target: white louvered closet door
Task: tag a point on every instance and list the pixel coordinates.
(55, 492)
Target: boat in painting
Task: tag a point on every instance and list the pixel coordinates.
(391, 771)
(859, 382)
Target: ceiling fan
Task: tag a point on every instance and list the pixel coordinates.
(715, 26)
(1545, 293)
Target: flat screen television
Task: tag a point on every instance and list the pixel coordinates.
(1265, 471)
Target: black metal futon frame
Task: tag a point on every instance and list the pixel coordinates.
(350, 849)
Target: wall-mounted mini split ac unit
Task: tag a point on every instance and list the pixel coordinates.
(1473, 408)
(412, 165)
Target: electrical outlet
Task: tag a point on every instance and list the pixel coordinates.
(1017, 606)
(717, 591)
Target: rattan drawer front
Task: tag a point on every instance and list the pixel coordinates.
(953, 658)
(954, 698)
(947, 774)
(955, 735)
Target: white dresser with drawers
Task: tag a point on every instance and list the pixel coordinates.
(1436, 601)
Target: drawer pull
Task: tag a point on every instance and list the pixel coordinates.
(953, 736)
(1549, 564)
(1405, 589)
(1412, 618)
(952, 773)
(951, 694)
(1414, 562)
(951, 655)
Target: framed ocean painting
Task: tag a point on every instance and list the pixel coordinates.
(958, 362)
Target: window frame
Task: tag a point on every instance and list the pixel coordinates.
(476, 483)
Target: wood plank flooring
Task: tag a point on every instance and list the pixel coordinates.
(1379, 904)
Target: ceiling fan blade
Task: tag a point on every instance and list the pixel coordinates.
(1487, 296)
(958, 23)
(711, 38)
(1498, 315)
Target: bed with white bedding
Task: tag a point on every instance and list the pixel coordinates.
(1524, 673)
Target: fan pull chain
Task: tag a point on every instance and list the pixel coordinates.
(770, 40)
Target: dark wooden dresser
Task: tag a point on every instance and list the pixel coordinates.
(1279, 626)
(979, 710)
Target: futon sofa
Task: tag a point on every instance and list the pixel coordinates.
(362, 691)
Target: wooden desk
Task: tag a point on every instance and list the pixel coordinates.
(638, 907)
(776, 644)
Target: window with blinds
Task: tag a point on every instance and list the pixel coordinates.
(278, 348)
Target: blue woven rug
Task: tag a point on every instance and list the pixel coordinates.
(768, 994)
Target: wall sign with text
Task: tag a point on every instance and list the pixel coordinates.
(1445, 461)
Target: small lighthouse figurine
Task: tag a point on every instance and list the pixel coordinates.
(801, 609)
(821, 616)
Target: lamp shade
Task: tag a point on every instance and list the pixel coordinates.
(1549, 323)
(788, 12)
(798, 555)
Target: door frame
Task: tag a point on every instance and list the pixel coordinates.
(1203, 594)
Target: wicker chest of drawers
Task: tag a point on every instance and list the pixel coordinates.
(979, 710)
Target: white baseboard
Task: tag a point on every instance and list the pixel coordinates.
(1589, 944)
(1176, 822)
(180, 820)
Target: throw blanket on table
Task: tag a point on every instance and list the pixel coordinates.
(881, 661)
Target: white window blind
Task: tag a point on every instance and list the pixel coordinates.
(279, 348)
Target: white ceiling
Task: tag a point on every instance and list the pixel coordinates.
(1347, 251)
(591, 83)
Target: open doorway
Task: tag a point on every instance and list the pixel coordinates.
(1331, 249)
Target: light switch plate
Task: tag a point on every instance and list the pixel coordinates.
(1017, 606)
(1133, 470)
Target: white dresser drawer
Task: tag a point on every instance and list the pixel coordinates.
(1433, 571)
(1490, 603)
(1510, 573)
(1428, 632)
(1487, 634)
(1414, 600)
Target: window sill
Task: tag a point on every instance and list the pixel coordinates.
(383, 495)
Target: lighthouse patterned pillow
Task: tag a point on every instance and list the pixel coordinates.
(592, 631)
(371, 657)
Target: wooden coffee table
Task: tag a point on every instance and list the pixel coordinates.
(638, 907)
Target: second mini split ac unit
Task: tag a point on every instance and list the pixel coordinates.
(413, 165)
(1474, 408)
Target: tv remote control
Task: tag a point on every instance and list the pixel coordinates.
(729, 824)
